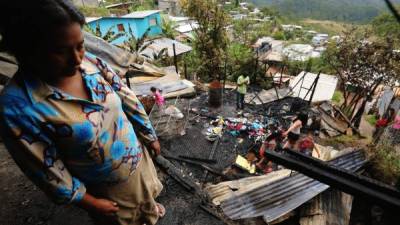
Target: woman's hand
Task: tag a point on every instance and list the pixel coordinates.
(99, 205)
(155, 146)
(105, 207)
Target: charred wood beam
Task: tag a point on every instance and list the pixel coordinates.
(176, 174)
(206, 167)
(212, 161)
(340, 179)
(190, 185)
(211, 156)
(313, 88)
(346, 119)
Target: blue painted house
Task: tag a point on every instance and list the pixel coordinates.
(138, 21)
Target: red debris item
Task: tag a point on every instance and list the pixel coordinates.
(262, 152)
(306, 143)
(215, 84)
(239, 126)
(381, 123)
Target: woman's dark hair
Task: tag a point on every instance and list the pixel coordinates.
(24, 24)
(153, 89)
(303, 117)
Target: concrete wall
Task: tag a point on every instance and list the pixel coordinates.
(138, 26)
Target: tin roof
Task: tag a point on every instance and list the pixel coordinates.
(282, 196)
(159, 44)
(141, 14)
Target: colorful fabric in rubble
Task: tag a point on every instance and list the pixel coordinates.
(396, 124)
(62, 142)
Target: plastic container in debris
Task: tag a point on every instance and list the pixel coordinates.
(215, 94)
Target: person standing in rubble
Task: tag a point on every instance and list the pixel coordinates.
(159, 99)
(293, 133)
(242, 83)
(81, 138)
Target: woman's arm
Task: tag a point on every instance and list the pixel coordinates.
(295, 125)
(36, 154)
(131, 105)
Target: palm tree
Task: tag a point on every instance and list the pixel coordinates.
(136, 45)
(168, 29)
(108, 36)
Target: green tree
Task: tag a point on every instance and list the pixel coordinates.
(168, 28)
(239, 56)
(363, 63)
(386, 25)
(110, 35)
(137, 45)
(139, 5)
(211, 38)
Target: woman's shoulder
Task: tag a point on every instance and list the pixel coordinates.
(13, 92)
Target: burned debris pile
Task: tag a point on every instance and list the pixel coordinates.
(221, 159)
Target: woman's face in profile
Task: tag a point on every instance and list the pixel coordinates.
(62, 55)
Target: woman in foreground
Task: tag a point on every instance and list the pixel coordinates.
(82, 138)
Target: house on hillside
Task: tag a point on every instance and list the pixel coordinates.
(170, 6)
(266, 44)
(139, 22)
(239, 16)
(298, 52)
(320, 39)
(291, 27)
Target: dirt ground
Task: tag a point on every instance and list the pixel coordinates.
(22, 203)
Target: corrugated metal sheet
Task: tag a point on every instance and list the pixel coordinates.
(266, 96)
(141, 14)
(325, 88)
(159, 44)
(275, 200)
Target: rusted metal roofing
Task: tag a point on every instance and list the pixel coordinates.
(158, 45)
(277, 199)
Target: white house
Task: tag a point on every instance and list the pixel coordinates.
(291, 27)
(299, 52)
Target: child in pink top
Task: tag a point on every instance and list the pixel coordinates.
(160, 101)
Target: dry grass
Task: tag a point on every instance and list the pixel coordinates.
(344, 141)
(326, 26)
(386, 163)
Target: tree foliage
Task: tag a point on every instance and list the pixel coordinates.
(136, 45)
(211, 38)
(239, 61)
(168, 29)
(109, 36)
(364, 64)
(386, 25)
(340, 10)
(139, 5)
